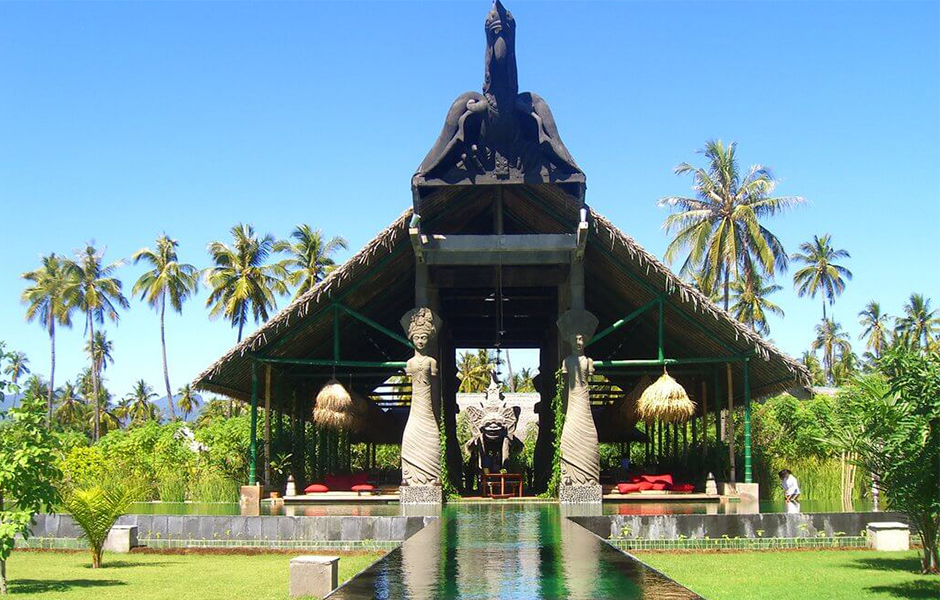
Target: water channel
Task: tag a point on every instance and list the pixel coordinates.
(508, 551)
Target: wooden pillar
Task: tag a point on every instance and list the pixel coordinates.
(729, 427)
(447, 369)
(544, 446)
(704, 419)
(748, 478)
(297, 465)
(253, 435)
(267, 425)
(719, 433)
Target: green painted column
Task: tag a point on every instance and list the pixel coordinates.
(717, 396)
(747, 423)
(253, 446)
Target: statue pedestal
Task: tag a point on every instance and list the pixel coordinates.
(420, 494)
(580, 494)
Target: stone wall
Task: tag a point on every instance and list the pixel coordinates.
(234, 531)
(770, 525)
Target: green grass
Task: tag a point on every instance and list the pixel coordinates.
(69, 576)
(797, 575)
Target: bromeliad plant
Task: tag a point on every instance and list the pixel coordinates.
(95, 510)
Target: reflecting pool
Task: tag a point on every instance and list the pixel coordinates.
(509, 551)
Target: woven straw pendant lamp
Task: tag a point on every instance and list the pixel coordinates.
(336, 408)
(666, 401)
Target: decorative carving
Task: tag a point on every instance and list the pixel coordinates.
(580, 461)
(492, 429)
(499, 135)
(420, 444)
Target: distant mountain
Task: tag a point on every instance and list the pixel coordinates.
(8, 402)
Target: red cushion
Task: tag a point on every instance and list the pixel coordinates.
(644, 485)
(628, 488)
(636, 479)
(338, 482)
(683, 487)
(363, 487)
(316, 488)
(665, 478)
(660, 486)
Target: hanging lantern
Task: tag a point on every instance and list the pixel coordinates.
(336, 408)
(628, 405)
(666, 401)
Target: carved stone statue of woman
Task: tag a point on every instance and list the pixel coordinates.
(580, 461)
(420, 444)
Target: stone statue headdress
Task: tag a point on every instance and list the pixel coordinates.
(577, 321)
(421, 320)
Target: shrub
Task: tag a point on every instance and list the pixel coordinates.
(95, 510)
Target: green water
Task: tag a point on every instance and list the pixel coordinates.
(509, 551)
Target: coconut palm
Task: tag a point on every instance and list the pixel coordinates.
(168, 280)
(750, 303)
(721, 227)
(109, 415)
(920, 325)
(816, 374)
(140, 407)
(101, 352)
(875, 328)
(71, 408)
(310, 257)
(821, 273)
(475, 370)
(50, 300)
(241, 281)
(834, 343)
(845, 368)
(36, 387)
(16, 367)
(188, 400)
(95, 510)
(98, 293)
(524, 381)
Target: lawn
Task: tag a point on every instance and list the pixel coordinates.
(145, 576)
(797, 575)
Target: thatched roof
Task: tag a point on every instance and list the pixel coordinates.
(619, 276)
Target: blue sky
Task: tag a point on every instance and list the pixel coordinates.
(119, 121)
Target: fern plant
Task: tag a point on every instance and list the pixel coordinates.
(95, 510)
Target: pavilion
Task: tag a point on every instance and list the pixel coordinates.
(499, 242)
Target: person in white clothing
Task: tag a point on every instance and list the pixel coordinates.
(791, 490)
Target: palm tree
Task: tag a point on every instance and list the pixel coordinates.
(721, 228)
(875, 328)
(475, 370)
(100, 351)
(821, 273)
(170, 280)
(140, 405)
(241, 281)
(188, 400)
(811, 363)
(845, 368)
(71, 406)
(523, 381)
(98, 293)
(833, 341)
(751, 304)
(920, 324)
(49, 298)
(310, 257)
(16, 367)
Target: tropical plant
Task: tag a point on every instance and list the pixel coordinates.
(475, 370)
(140, 405)
(28, 471)
(50, 299)
(821, 274)
(241, 281)
(845, 368)
(188, 400)
(101, 352)
(920, 325)
(721, 227)
(750, 304)
(71, 409)
(524, 381)
(833, 341)
(310, 257)
(98, 293)
(168, 280)
(16, 366)
(37, 387)
(875, 328)
(894, 432)
(95, 510)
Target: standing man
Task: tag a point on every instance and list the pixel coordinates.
(791, 491)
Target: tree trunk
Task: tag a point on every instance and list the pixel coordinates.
(95, 558)
(512, 382)
(166, 372)
(824, 306)
(3, 563)
(94, 376)
(51, 394)
(727, 288)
